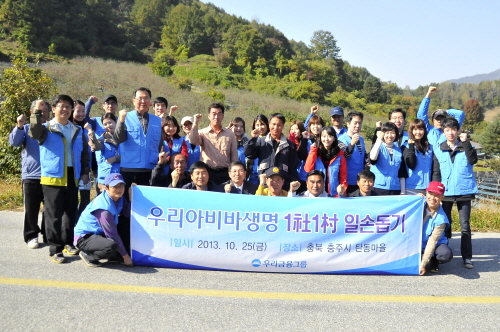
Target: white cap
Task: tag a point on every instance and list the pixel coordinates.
(187, 118)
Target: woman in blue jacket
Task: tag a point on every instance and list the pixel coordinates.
(418, 158)
(105, 148)
(172, 142)
(387, 162)
(262, 124)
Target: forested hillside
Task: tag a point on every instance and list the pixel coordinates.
(188, 41)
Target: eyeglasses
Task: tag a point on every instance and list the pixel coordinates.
(397, 118)
(237, 171)
(143, 99)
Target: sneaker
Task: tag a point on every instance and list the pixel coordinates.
(33, 243)
(86, 259)
(468, 264)
(434, 265)
(70, 250)
(58, 258)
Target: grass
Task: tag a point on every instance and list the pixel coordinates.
(11, 194)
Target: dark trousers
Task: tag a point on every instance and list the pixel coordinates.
(97, 247)
(33, 197)
(84, 201)
(443, 253)
(61, 205)
(123, 227)
(464, 208)
(386, 192)
(218, 176)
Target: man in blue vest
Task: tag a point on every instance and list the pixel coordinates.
(435, 248)
(355, 153)
(453, 164)
(64, 161)
(139, 136)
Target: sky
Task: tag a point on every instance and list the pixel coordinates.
(408, 42)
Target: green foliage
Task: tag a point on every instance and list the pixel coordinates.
(216, 95)
(19, 86)
(490, 139)
(372, 90)
(324, 45)
(474, 113)
(182, 83)
(160, 68)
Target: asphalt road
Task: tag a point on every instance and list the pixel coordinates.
(38, 295)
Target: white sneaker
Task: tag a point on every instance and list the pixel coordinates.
(33, 243)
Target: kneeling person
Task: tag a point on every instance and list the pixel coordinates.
(315, 186)
(200, 179)
(96, 234)
(434, 241)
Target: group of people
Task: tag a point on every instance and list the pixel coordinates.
(315, 160)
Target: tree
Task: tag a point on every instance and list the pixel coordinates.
(19, 86)
(324, 45)
(474, 112)
(491, 138)
(372, 90)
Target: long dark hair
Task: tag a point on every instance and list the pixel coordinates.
(333, 150)
(422, 144)
(172, 119)
(263, 118)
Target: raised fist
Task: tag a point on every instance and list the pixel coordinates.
(355, 139)
(378, 124)
(197, 118)
(255, 132)
(94, 99)
(122, 115)
(21, 120)
(294, 186)
(380, 135)
(314, 109)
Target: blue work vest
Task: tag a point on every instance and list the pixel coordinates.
(457, 177)
(103, 168)
(386, 170)
(88, 224)
(176, 148)
(420, 176)
(194, 154)
(53, 151)
(333, 173)
(300, 170)
(430, 224)
(141, 150)
(356, 162)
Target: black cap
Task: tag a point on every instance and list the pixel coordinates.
(108, 97)
(274, 171)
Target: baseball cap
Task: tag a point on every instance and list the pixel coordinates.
(337, 111)
(274, 171)
(436, 187)
(439, 113)
(186, 119)
(107, 97)
(113, 179)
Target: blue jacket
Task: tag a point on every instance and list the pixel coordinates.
(140, 150)
(438, 219)
(356, 161)
(53, 151)
(110, 149)
(95, 123)
(194, 154)
(88, 224)
(419, 167)
(455, 169)
(285, 156)
(176, 148)
(30, 155)
(386, 170)
(434, 135)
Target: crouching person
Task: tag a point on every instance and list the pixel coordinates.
(434, 241)
(96, 234)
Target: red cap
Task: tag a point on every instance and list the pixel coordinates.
(436, 187)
